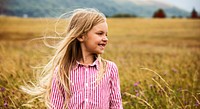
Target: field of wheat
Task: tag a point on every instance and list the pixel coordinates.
(158, 60)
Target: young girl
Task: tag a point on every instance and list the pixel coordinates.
(77, 77)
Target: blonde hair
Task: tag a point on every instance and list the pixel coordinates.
(67, 53)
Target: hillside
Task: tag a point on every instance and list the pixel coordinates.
(54, 8)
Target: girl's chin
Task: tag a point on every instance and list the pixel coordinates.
(100, 52)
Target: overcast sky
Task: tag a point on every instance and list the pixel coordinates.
(188, 5)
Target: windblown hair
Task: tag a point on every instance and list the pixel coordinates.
(67, 53)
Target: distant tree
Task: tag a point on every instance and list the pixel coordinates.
(123, 15)
(194, 14)
(180, 16)
(159, 14)
(3, 6)
(173, 17)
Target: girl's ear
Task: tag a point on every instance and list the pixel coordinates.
(81, 38)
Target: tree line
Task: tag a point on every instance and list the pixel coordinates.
(160, 13)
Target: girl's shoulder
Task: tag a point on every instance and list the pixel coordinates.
(110, 62)
(111, 69)
(111, 65)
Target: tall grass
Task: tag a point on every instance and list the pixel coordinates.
(158, 60)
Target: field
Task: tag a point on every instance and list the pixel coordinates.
(158, 60)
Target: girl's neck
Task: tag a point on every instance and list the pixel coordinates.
(87, 59)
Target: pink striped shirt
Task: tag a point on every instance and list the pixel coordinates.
(86, 93)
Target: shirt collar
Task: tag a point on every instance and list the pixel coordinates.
(94, 64)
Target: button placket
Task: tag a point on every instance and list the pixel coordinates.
(86, 87)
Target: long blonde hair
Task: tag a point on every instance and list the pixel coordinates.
(67, 53)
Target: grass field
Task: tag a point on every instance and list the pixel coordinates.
(158, 60)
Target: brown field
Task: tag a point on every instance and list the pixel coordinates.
(158, 60)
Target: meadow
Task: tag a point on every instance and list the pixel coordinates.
(158, 60)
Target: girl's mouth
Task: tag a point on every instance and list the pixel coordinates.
(102, 45)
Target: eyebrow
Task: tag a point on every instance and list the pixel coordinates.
(102, 31)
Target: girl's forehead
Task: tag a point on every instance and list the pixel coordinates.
(101, 26)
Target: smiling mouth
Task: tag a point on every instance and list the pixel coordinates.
(102, 45)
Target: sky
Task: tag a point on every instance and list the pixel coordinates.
(187, 5)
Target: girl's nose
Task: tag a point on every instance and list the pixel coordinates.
(105, 39)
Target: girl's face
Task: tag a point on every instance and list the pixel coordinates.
(94, 42)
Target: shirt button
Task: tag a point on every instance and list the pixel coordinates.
(86, 100)
(86, 84)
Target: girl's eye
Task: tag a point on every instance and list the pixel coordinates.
(100, 33)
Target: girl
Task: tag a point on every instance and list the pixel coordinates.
(77, 77)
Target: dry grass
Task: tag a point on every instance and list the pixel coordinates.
(158, 60)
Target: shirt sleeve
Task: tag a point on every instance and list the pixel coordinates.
(115, 94)
(56, 95)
